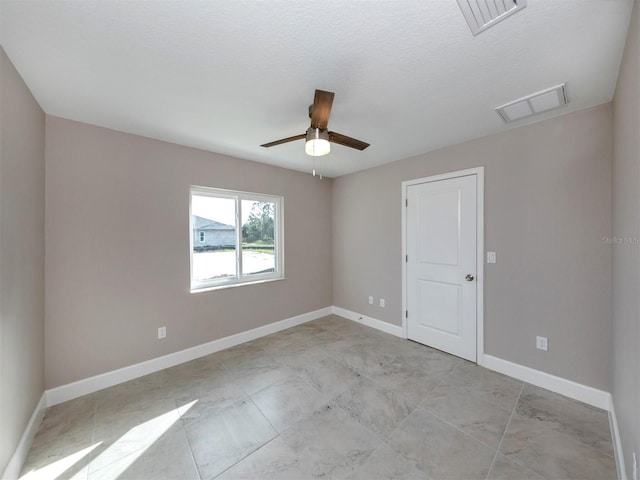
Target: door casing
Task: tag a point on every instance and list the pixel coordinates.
(479, 172)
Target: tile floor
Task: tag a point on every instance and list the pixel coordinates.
(327, 399)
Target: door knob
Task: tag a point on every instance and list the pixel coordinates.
(469, 277)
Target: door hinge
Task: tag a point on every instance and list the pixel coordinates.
(406, 202)
(406, 314)
(406, 258)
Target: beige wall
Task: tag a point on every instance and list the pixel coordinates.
(547, 207)
(626, 256)
(22, 130)
(112, 280)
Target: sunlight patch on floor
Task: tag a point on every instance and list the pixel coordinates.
(53, 470)
(121, 454)
(132, 445)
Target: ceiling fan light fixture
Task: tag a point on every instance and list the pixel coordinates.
(317, 142)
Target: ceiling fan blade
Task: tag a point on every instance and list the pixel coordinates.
(321, 109)
(285, 140)
(347, 141)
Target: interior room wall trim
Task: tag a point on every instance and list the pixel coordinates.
(93, 384)
(369, 321)
(54, 396)
(617, 441)
(583, 393)
(16, 462)
(63, 393)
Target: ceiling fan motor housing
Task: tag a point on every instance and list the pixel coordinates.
(317, 142)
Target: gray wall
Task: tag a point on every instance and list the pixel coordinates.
(107, 295)
(626, 256)
(547, 207)
(22, 143)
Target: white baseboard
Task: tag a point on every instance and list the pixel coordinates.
(368, 321)
(12, 471)
(93, 384)
(589, 395)
(617, 442)
(54, 396)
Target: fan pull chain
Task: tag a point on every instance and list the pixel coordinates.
(314, 169)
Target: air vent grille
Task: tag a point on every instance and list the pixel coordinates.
(533, 104)
(483, 14)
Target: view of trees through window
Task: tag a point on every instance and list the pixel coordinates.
(224, 251)
(259, 226)
(258, 234)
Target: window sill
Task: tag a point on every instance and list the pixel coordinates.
(234, 285)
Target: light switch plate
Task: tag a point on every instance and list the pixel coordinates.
(491, 257)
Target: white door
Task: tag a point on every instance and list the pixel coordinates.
(441, 265)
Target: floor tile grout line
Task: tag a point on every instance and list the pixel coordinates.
(269, 421)
(368, 377)
(247, 456)
(388, 444)
(256, 449)
(454, 426)
(191, 454)
(193, 457)
(325, 396)
(506, 428)
(550, 428)
(373, 452)
(94, 419)
(462, 362)
(363, 375)
(186, 436)
(469, 393)
(367, 427)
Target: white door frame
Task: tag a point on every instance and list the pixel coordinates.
(479, 172)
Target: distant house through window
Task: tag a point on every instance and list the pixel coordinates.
(236, 237)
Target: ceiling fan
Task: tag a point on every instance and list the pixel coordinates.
(317, 137)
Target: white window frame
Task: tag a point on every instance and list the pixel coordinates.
(239, 279)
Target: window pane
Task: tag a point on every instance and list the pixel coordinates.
(258, 237)
(214, 237)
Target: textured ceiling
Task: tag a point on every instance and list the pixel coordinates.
(227, 75)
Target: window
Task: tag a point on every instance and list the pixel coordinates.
(236, 238)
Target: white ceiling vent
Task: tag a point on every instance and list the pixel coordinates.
(483, 14)
(539, 102)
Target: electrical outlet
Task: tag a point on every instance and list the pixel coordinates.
(382, 303)
(491, 257)
(162, 332)
(542, 343)
(370, 300)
